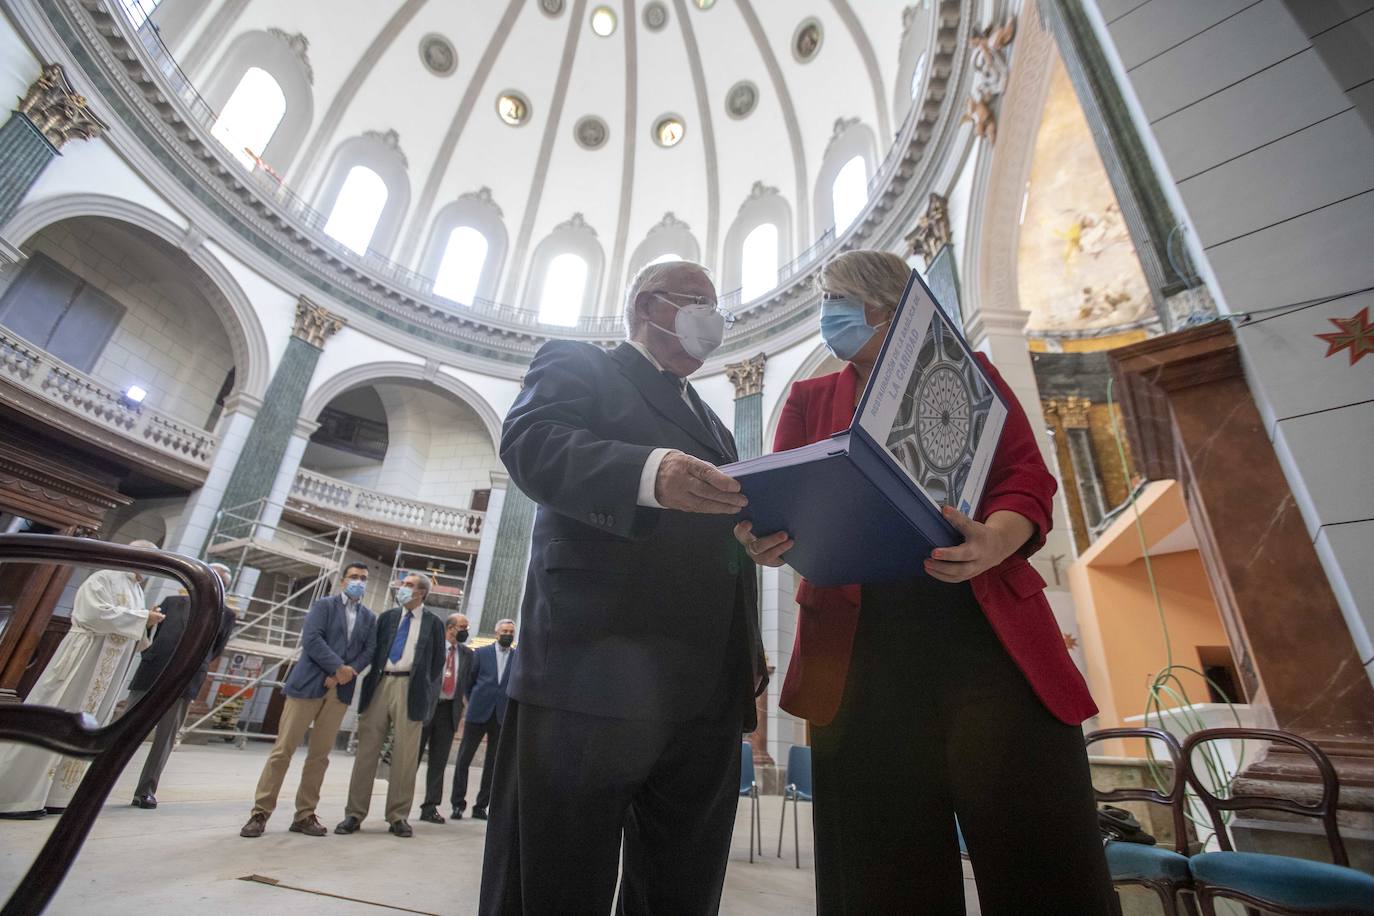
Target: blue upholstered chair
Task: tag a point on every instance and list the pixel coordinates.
(1161, 869)
(1277, 884)
(748, 787)
(798, 789)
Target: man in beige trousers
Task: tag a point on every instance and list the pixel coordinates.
(400, 693)
(338, 640)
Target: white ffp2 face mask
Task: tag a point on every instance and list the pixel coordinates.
(700, 331)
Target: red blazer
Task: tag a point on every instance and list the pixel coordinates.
(1010, 594)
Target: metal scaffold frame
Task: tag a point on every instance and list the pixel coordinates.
(450, 572)
(248, 537)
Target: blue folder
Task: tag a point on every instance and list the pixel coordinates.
(856, 515)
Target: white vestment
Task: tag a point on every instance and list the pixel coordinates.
(109, 624)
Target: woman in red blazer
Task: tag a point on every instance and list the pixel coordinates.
(949, 694)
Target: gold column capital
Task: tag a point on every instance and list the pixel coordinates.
(747, 376)
(315, 324)
(57, 110)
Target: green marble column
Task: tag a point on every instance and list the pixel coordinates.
(256, 471)
(509, 561)
(49, 115)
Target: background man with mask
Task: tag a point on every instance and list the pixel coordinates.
(486, 709)
(439, 731)
(337, 642)
(640, 655)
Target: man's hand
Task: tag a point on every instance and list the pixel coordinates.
(155, 617)
(693, 485)
(344, 674)
(985, 544)
(767, 550)
(330, 682)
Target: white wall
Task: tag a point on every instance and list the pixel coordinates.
(1253, 115)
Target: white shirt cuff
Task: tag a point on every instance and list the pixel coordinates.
(649, 476)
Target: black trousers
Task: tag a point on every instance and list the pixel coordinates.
(467, 749)
(436, 741)
(570, 786)
(164, 739)
(938, 721)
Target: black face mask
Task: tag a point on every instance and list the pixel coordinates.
(505, 640)
(460, 637)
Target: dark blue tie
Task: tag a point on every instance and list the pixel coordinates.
(398, 645)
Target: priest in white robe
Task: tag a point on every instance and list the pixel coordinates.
(87, 673)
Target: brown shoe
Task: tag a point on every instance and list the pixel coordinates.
(257, 823)
(310, 826)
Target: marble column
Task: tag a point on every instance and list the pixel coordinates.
(277, 422)
(476, 596)
(510, 557)
(747, 377)
(49, 115)
(1191, 417)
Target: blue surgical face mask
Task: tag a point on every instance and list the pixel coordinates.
(354, 589)
(404, 594)
(844, 327)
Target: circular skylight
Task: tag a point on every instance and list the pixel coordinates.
(655, 16)
(551, 7)
(741, 100)
(591, 132)
(513, 108)
(806, 41)
(603, 21)
(669, 130)
(438, 55)
(704, 4)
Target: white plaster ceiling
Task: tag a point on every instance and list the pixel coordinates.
(542, 56)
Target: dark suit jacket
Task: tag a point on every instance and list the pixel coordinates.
(155, 658)
(486, 694)
(465, 671)
(427, 668)
(325, 645)
(629, 612)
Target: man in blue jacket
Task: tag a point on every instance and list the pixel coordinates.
(486, 709)
(338, 641)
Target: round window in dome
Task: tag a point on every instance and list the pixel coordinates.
(551, 7)
(438, 55)
(513, 108)
(669, 130)
(603, 21)
(591, 132)
(806, 41)
(741, 100)
(704, 4)
(655, 16)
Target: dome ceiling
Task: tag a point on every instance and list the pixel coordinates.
(631, 114)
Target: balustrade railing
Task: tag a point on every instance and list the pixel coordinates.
(40, 373)
(329, 493)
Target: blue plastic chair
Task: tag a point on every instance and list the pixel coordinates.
(748, 787)
(1164, 871)
(798, 789)
(1277, 884)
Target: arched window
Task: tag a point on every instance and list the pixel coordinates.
(249, 119)
(759, 262)
(918, 75)
(357, 208)
(139, 10)
(460, 269)
(565, 289)
(849, 192)
(665, 258)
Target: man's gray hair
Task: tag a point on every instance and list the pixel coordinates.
(503, 621)
(651, 278)
(425, 580)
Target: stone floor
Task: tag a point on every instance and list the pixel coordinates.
(187, 854)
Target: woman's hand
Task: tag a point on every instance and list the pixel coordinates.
(985, 544)
(767, 550)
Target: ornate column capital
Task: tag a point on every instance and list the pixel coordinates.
(57, 110)
(932, 230)
(747, 376)
(1072, 411)
(314, 323)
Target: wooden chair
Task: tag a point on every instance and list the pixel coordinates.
(1164, 871)
(76, 734)
(1277, 884)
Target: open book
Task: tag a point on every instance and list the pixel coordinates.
(864, 504)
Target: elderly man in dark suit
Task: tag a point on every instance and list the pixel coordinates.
(399, 695)
(154, 659)
(640, 654)
(486, 709)
(337, 642)
(438, 734)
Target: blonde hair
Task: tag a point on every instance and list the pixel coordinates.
(875, 278)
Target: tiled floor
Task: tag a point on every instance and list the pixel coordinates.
(187, 856)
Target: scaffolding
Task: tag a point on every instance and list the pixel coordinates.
(250, 540)
(452, 575)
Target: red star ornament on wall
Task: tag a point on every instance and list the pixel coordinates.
(1356, 334)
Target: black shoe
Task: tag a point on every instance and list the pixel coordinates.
(349, 824)
(51, 810)
(456, 814)
(479, 813)
(401, 828)
(431, 816)
(147, 802)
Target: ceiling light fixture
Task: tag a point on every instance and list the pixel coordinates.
(134, 395)
(705, 4)
(669, 131)
(513, 108)
(603, 21)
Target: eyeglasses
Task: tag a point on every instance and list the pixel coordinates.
(692, 303)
